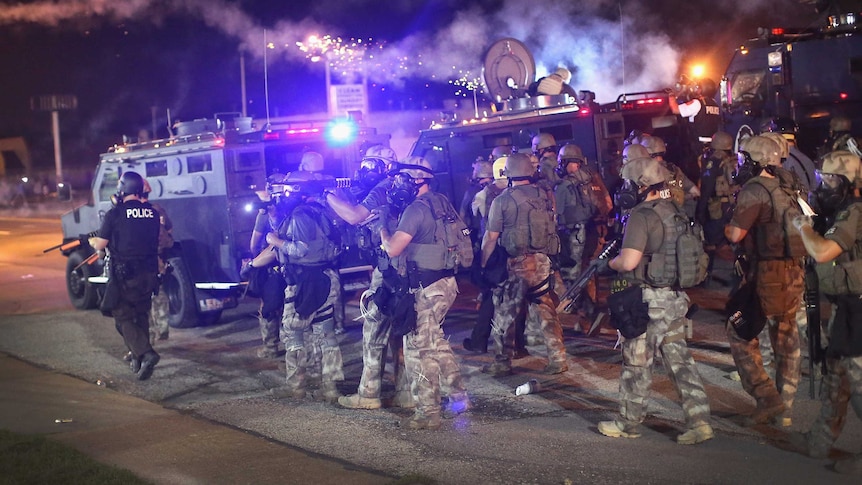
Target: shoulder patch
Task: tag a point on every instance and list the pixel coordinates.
(842, 215)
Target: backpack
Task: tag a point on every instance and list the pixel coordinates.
(535, 229)
(778, 238)
(456, 250)
(683, 263)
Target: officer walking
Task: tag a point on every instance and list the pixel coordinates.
(307, 250)
(659, 308)
(776, 267)
(130, 231)
(428, 357)
(521, 219)
(160, 309)
(836, 251)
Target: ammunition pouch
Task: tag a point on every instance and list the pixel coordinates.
(629, 313)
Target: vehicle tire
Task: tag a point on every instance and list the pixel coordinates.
(82, 293)
(178, 285)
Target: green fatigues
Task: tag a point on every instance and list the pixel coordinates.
(842, 383)
(665, 336)
(160, 308)
(428, 358)
(779, 286)
(529, 283)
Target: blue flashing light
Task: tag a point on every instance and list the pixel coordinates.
(341, 132)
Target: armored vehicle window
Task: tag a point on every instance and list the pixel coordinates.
(158, 168)
(497, 139)
(108, 186)
(745, 86)
(248, 161)
(561, 133)
(200, 163)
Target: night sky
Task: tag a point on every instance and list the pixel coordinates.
(129, 61)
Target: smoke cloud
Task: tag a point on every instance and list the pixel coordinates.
(610, 47)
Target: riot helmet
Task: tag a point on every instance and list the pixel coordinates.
(569, 153)
(783, 148)
(841, 171)
(757, 153)
(519, 167)
(544, 143)
(655, 146)
(707, 88)
(640, 177)
(482, 169)
(634, 152)
(130, 183)
(500, 151)
(722, 141)
(636, 137)
(499, 168)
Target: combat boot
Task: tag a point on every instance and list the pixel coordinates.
(267, 353)
(614, 429)
(327, 393)
(355, 401)
(502, 366)
(422, 421)
(556, 368)
(764, 414)
(148, 364)
(696, 435)
(458, 404)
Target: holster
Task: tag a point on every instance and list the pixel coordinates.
(629, 313)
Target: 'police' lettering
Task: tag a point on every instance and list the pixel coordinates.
(139, 213)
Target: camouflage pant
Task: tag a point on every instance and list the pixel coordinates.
(526, 272)
(159, 311)
(575, 243)
(801, 324)
(779, 286)
(375, 337)
(841, 385)
(294, 333)
(665, 336)
(428, 357)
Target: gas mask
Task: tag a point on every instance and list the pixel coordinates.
(404, 191)
(831, 194)
(371, 172)
(746, 168)
(629, 195)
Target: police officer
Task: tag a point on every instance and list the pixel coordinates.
(311, 162)
(372, 171)
(376, 329)
(521, 219)
(836, 252)
(702, 112)
(683, 190)
(483, 175)
(545, 149)
(645, 193)
(717, 192)
(778, 274)
(583, 203)
(840, 137)
(554, 84)
(130, 231)
(306, 249)
(795, 161)
(272, 291)
(428, 357)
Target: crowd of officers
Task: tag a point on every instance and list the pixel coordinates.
(537, 221)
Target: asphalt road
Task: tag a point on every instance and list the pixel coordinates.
(547, 437)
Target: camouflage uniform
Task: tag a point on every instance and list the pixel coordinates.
(581, 198)
(428, 357)
(664, 336)
(779, 286)
(160, 309)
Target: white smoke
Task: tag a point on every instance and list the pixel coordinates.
(610, 47)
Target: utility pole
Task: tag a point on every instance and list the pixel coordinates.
(55, 103)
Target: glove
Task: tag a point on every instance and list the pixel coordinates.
(601, 266)
(801, 221)
(246, 271)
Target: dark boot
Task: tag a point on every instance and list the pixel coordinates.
(148, 364)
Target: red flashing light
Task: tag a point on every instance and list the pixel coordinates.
(843, 95)
(584, 111)
(271, 135)
(219, 142)
(778, 31)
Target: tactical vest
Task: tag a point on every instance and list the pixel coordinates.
(451, 248)
(777, 238)
(843, 275)
(675, 184)
(680, 261)
(580, 208)
(534, 230)
(323, 247)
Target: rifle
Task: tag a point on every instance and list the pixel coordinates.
(574, 293)
(812, 313)
(65, 246)
(312, 186)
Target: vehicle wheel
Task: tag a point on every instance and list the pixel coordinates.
(177, 284)
(82, 293)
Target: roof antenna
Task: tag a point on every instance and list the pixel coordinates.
(265, 78)
(623, 50)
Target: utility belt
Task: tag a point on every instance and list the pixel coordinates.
(293, 272)
(126, 269)
(423, 278)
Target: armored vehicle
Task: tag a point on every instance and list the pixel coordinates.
(207, 177)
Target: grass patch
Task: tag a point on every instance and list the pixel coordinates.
(33, 459)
